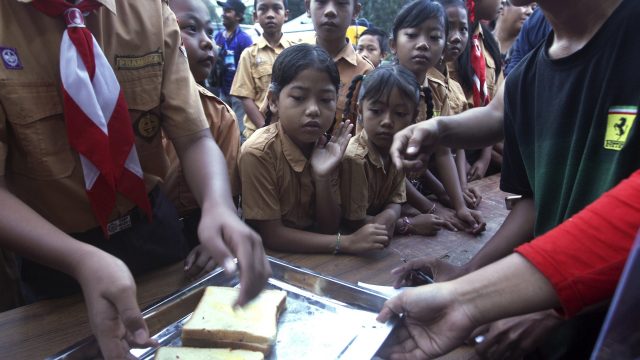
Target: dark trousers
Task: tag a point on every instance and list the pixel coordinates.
(143, 247)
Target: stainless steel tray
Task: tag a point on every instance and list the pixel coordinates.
(325, 318)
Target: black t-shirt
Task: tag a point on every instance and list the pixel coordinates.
(571, 130)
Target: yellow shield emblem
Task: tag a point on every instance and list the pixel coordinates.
(620, 120)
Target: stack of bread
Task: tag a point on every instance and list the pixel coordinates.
(242, 333)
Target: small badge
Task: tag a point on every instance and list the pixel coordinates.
(10, 58)
(619, 122)
(147, 126)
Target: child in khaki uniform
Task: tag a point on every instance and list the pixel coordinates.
(418, 42)
(196, 30)
(253, 76)
(290, 190)
(331, 19)
(46, 215)
(372, 189)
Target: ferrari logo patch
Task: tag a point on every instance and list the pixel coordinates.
(619, 123)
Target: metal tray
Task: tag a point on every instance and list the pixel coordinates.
(325, 318)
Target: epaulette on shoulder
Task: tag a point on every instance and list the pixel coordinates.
(214, 98)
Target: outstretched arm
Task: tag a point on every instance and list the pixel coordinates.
(221, 230)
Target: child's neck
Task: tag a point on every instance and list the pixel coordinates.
(272, 38)
(332, 47)
(383, 153)
(231, 29)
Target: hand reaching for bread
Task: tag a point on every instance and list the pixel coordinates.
(226, 236)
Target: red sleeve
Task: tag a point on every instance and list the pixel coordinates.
(584, 256)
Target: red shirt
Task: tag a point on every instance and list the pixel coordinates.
(585, 255)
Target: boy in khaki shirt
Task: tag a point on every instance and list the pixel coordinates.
(253, 76)
(331, 19)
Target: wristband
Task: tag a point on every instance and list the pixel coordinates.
(405, 225)
(336, 248)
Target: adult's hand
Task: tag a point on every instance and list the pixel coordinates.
(110, 294)
(226, 236)
(514, 337)
(413, 145)
(434, 322)
(439, 270)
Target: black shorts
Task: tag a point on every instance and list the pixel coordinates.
(143, 247)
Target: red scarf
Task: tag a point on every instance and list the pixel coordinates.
(480, 92)
(96, 114)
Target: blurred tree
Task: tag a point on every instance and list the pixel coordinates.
(380, 13)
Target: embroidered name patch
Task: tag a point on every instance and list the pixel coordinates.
(10, 58)
(619, 122)
(128, 62)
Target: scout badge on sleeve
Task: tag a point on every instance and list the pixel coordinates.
(96, 114)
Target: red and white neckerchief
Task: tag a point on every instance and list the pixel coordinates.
(480, 90)
(96, 114)
(478, 64)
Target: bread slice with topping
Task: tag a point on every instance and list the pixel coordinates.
(189, 353)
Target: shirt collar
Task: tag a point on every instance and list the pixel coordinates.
(291, 151)
(262, 42)
(347, 53)
(436, 76)
(370, 151)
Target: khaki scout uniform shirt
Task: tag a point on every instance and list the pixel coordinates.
(254, 74)
(35, 156)
(350, 64)
(493, 81)
(366, 186)
(222, 122)
(448, 96)
(276, 179)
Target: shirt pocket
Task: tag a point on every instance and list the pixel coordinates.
(38, 145)
(262, 77)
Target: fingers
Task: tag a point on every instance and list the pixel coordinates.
(400, 142)
(390, 308)
(448, 225)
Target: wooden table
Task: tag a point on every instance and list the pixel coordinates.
(44, 328)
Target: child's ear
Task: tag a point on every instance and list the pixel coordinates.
(272, 99)
(255, 17)
(360, 110)
(392, 45)
(286, 15)
(307, 6)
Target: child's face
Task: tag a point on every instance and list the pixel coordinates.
(331, 18)
(513, 17)
(420, 48)
(458, 32)
(384, 118)
(369, 47)
(270, 14)
(306, 107)
(196, 31)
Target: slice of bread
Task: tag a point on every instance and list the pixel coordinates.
(215, 323)
(187, 353)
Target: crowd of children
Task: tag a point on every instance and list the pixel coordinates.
(302, 139)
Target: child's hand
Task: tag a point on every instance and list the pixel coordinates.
(327, 155)
(472, 197)
(114, 315)
(388, 219)
(226, 236)
(472, 219)
(439, 271)
(478, 170)
(368, 237)
(199, 262)
(427, 224)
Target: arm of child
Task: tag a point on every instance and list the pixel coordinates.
(220, 229)
(471, 196)
(279, 237)
(449, 176)
(479, 168)
(388, 218)
(108, 287)
(252, 111)
(325, 161)
(425, 206)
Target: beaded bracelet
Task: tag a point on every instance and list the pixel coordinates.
(432, 210)
(336, 248)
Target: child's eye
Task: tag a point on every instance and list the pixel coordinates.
(411, 35)
(297, 98)
(189, 28)
(328, 100)
(375, 110)
(401, 114)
